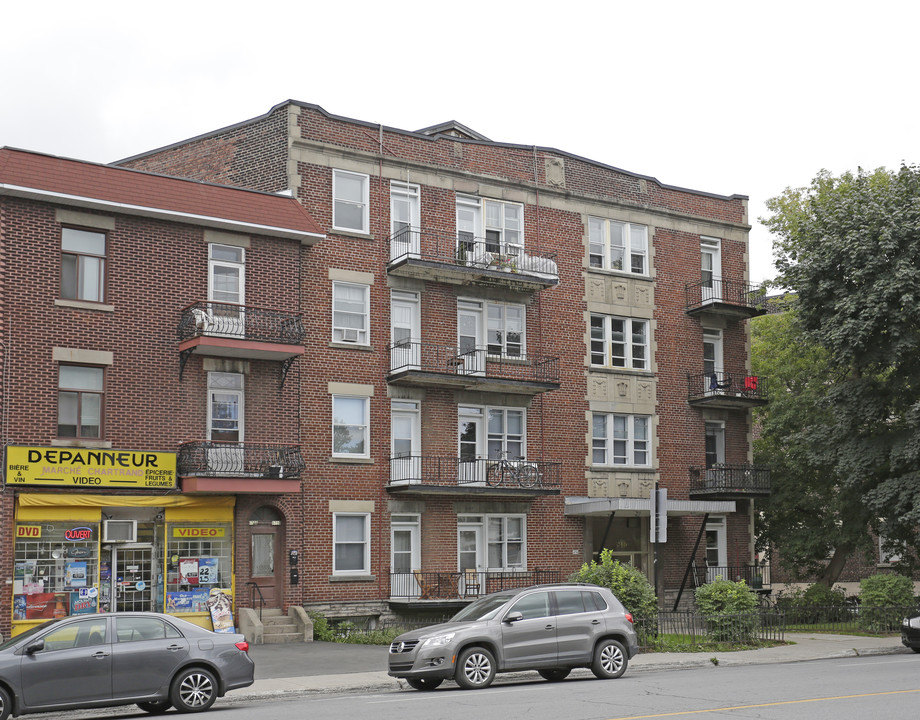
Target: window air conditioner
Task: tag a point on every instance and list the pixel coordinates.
(350, 335)
(119, 531)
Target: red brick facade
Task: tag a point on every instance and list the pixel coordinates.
(159, 269)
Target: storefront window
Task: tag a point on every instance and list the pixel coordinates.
(198, 559)
(55, 571)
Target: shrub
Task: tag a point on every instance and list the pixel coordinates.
(630, 586)
(883, 600)
(730, 610)
(321, 628)
(627, 582)
(816, 604)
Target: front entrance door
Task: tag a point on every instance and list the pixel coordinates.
(132, 577)
(469, 560)
(267, 562)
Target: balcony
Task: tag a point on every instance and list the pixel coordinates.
(427, 364)
(725, 297)
(443, 257)
(756, 576)
(239, 467)
(240, 331)
(726, 391)
(727, 482)
(429, 585)
(432, 475)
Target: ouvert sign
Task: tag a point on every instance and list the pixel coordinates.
(90, 467)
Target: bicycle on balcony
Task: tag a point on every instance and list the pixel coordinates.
(506, 472)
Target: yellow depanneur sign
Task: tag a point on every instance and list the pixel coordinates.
(90, 468)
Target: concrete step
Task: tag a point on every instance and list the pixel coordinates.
(279, 638)
(268, 620)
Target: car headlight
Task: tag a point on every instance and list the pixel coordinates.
(439, 640)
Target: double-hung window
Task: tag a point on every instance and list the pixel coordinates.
(489, 226)
(350, 201)
(617, 245)
(350, 313)
(351, 534)
(620, 440)
(619, 342)
(506, 433)
(80, 396)
(82, 265)
(350, 425)
(505, 541)
(505, 329)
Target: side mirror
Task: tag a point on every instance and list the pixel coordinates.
(35, 647)
(513, 617)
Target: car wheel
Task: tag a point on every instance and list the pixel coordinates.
(609, 660)
(157, 707)
(424, 683)
(193, 690)
(475, 669)
(555, 674)
(6, 705)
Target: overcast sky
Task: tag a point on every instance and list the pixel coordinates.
(724, 97)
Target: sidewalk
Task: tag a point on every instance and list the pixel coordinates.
(335, 667)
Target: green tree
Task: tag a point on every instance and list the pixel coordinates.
(812, 513)
(848, 247)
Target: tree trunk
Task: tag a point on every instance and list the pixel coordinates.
(832, 572)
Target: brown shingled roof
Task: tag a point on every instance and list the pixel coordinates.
(74, 182)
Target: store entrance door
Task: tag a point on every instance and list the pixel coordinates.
(132, 577)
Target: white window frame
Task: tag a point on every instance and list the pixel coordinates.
(605, 441)
(498, 442)
(602, 337)
(82, 392)
(499, 326)
(365, 426)
(484, 522)
(77, 244)
(479, 207)
(350, 335)
(363, 205)
(229, 384)
(601, 249)
(715, 429)
(713, 337)
(366, 542)
(411, 195)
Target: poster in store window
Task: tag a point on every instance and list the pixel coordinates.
(220, 607)
(207, 570)
(188, 571)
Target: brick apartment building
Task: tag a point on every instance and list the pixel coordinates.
(104, 405)
(464, 302)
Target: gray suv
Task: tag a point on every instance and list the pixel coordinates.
(547, 628)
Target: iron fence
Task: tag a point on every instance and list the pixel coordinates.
(730, 479)
(212, 458)
(486, 362)
(717, 291)
(467, 585)
(452, 471)
(672, 630)
(723, 385)
(242, 322)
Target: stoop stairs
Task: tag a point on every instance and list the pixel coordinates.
(279, 628)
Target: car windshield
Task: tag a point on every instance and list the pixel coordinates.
(484, 608)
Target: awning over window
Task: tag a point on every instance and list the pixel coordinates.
(640, 506)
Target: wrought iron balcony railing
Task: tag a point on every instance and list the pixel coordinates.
(214, 458)
(465, 251)
(485, 362)
(756, 576)
(452, 472)
(726, 296)
(435, 585)
(724, 480)
(241, 322)
(727, 389)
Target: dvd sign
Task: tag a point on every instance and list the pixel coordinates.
(77, 534)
